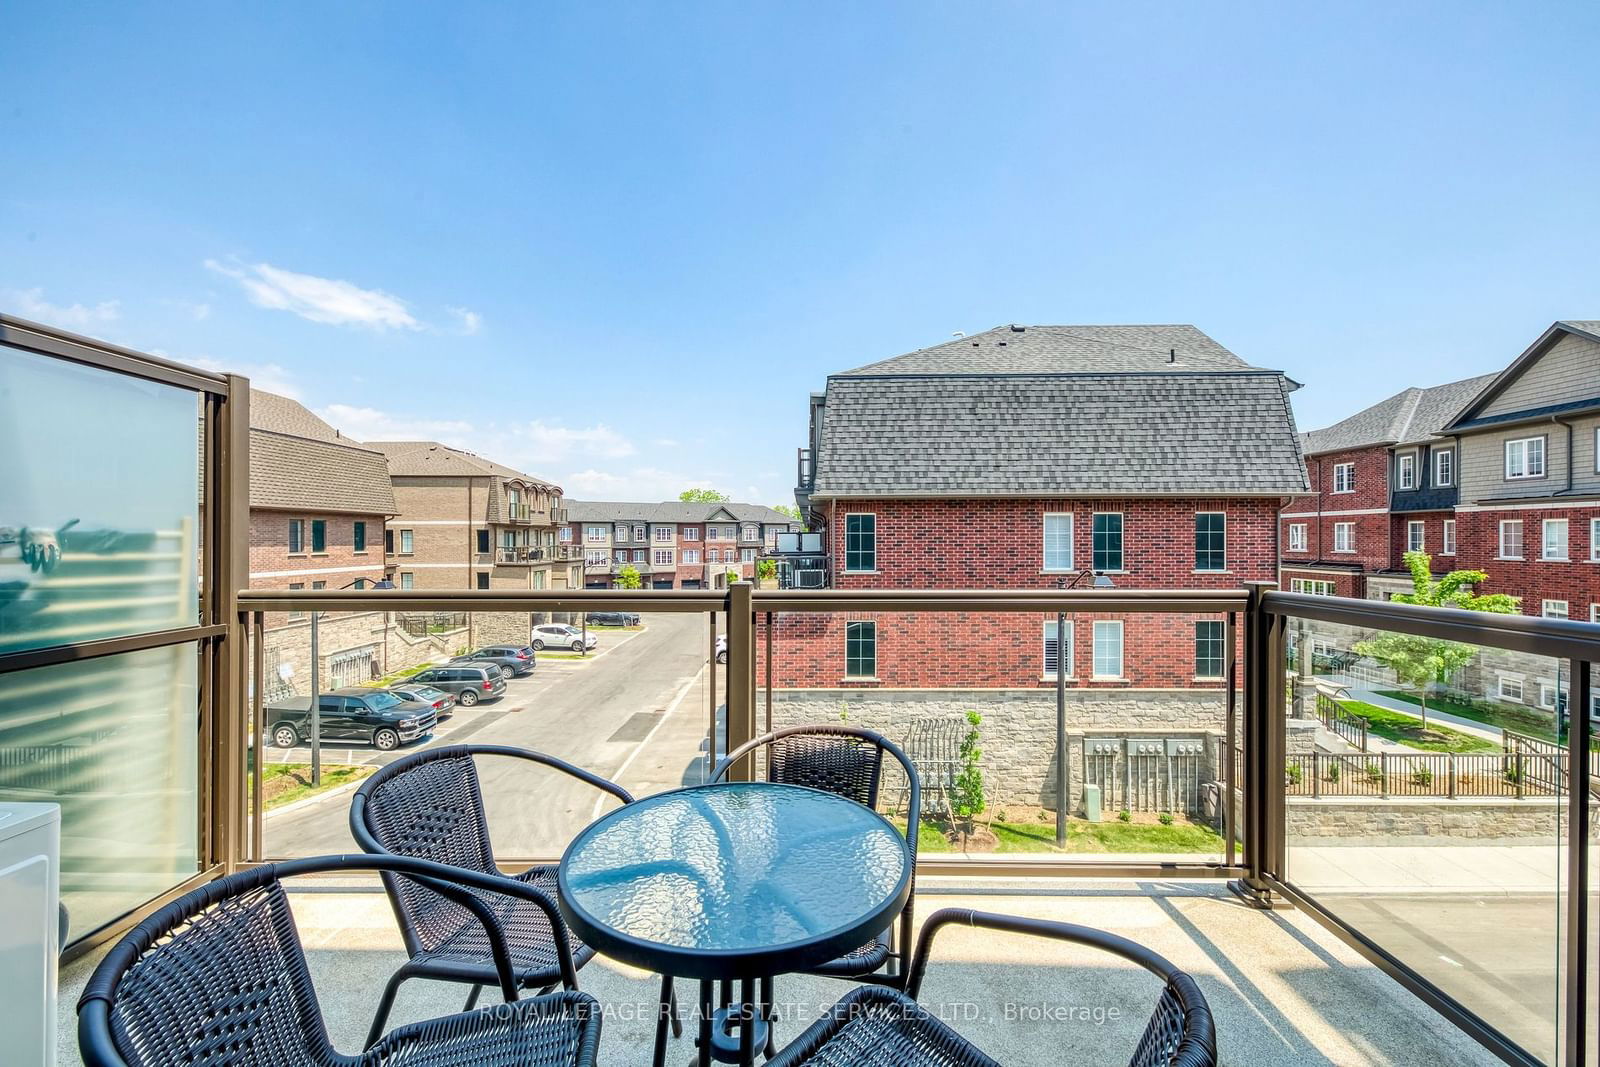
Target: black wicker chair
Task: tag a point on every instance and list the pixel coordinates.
(846, 760)
(429, 805)
(872, 1026)
(219, 978)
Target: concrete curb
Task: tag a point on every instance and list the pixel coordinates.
(306, 802)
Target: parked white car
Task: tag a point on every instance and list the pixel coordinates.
(560, 635)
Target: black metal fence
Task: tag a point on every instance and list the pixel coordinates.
(1352, 728)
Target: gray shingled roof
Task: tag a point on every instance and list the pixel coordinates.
(580, 511)
(1125, 434)
(300, 463)
(1172, 349)
(1409, 416)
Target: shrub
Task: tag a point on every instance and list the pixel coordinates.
(1374, 773)
(1293, 773)
(1422, 777)
(1165, 818)
(1333, 772)
(1125, 815)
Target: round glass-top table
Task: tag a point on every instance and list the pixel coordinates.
(741, 880)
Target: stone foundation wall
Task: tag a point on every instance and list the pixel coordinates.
(1406, 821)
(1018, 733)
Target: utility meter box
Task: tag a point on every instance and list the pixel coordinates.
(1091, 803)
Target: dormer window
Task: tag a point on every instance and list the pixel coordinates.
(1406, 470)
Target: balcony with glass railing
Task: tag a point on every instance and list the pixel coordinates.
(1347, 882)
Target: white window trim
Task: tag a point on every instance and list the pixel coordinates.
(1312, 586)
(691, 533)
(1594, 540)
(1212, 570)
(1122, 659)
(1044, 543)
(1500, 544)
(1544, 459)
(657, 538)
(1544, 609)
(1501, 678)
(1047, 642)
(657, 561)
(1400, 466)
(1421, 529)
(1298, 541)
(1544, 541)
(1594, 612)
(1550, 685)
(1337, 468)
(1351, 527)
(1447, 541)
(1439, 480)
(691, 555)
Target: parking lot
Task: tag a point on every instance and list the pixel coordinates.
(635, 711)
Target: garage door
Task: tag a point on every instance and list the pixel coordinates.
(691, 583)
(661, 583)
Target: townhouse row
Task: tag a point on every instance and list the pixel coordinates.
(672, 544)
(1499, 473)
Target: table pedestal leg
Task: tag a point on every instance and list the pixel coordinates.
(707, 1007)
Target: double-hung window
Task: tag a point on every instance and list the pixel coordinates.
(1209, 652)
(1594, 540)
(407, 579)
(319, 535)
(1344, 477)
(1448, 548)
(1052, 648)
(358, 537)
(1555, 540)
(1057, 542)
(1344, 537)
(1525, 458)
(1510, 538)
(1108, 541)
(860, 542)
(1406, 470)
(1415, 536)
(1444, 467)
(405, 542)
(860, 649)
(1211, 541)
(1297, 537)
(297, 536)
(1108, 648)
(1554, 609)
(1511, 687)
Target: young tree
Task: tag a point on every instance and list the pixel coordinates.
(1419, 662)
(789, 510)
(628, 578)
(703, 496)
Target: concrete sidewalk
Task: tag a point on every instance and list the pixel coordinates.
(1455, 722)
(1485, 870)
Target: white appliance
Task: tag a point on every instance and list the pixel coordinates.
(30, 895)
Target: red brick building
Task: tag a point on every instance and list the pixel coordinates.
(1028, 457)
(1382, 482)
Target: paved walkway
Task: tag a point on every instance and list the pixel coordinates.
(1455, 722)
(1483, 870)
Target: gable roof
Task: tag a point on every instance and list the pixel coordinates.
(675, 511)
(1016, 349)
(1407, 417)
(1060, 411)
(300, 463)
(1588, 329)
(430, 458)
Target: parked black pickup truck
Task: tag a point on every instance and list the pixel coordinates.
(374, 716)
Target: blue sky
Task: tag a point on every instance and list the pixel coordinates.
(616, 245)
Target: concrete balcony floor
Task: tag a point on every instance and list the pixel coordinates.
(1282, 989)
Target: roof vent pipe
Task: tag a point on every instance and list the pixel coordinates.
(1172, 355)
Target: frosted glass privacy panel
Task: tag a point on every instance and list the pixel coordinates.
(99, 503)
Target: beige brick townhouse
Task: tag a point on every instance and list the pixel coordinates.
(465, 522)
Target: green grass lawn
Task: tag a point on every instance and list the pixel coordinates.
(1530, 721)
(1403, 729)
(285, 783)
(399, 676)
(1084, 837)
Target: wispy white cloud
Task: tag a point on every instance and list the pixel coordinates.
(272, 377)
(556, 443)
(372, 424)
(468, 322)
(629, 483)
(325, 300)
(31, 304)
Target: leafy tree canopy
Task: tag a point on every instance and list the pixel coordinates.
(703, 496)
(628, 578)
